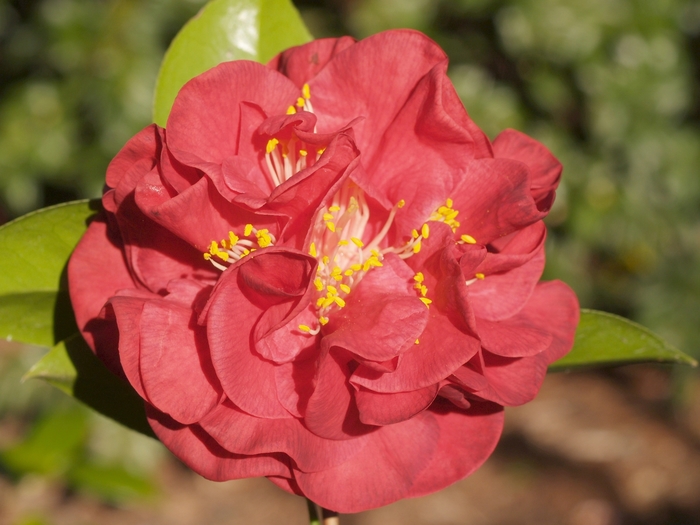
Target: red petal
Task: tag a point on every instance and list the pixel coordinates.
(331, 412)
(545, 168)
(145, 145)
(494, 199)
(386, 409)
(421, 455)
(178, 376)
(97, 250)
(241, 433)
(302, 63)
(199, 451)
(127, 311)
(204, 124)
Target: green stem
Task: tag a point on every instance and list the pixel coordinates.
(313, 514)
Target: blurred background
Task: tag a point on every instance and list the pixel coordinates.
(612, 87)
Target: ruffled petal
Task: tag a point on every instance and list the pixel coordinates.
(205, 121)
(388, 408)
(301, 63)
(241, 433)
(144, 146)
(269, 279)
(199, 451)
(177, 373)
(545, 168)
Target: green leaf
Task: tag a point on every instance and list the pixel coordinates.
(607, 339)
(226, 30)
(72, 367)
(34, 303)
(110, 482)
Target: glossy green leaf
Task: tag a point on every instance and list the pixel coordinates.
(607, 339)
(226, 30)
(72, 367)
(34, 303)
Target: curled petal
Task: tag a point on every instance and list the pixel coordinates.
(301, 63)
(388, 408)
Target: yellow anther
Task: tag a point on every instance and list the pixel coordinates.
(304, 328)
(223, 256)
(327, 301)
(306, 91)
(328, 217)
(207, 256)
(332, 290)
(343, 242)
(326, 259)
(468, 239)
(291, 110)
(312, 250)
(336, 270)
(449, 203)
(426, 301)
(331, 226)
(213, 248)
(425, 231)
(417, 342)
(366, 266)
(339, 301)
(357, 242)
(373, 261)
(414, 234)
(423, 290)
(246, 251)
(320, 151)
(320, 301)
(334, 208)
(318, 284)
(356, 267)
(345, 288)
(264, 239)
(451, 216)
(416, 247)
(419, 277)
(323, 320)
(300, 102)
(271, 145)
(479, 275)
(443, 210)
(248, 230)
(348, 272)
(232, 238)
(337, 277)
(303, 152)
(401, 203)
(375, 253)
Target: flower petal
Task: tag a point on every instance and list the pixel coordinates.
(177, 374)
(241, 433)
(388, 408)
(199, 451)
(204, 123)
(301, 63)
(545, 168)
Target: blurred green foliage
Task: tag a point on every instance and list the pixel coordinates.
(611, 86)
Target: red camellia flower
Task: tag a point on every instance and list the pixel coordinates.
(321, 271)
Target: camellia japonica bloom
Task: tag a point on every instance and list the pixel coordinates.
(323, 272)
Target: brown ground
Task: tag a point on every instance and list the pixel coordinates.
(605, 448)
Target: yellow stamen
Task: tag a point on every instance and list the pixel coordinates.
(332, 289)
(300, 102)
(328, 217)
(348, 272)
(320, 151)
(479, 275)
(357, 242)
(345, 288)
(449, 203)
(416, 247)
(401, 203)
(248, 230)
(468, 239)
(339, 301)
(343, 242)
(323, 320)
(264, 239)
(207, 256)
(326, 259)
(312, 250)
(334, 208)
(414, 233)
(426, 301)
(304, 328)
(331, 226)
(425, 231)
(417, 341)
(419, 277)
(271, 145)
(303, 152)
(291, 110)
(306, 91)
(318, 284)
